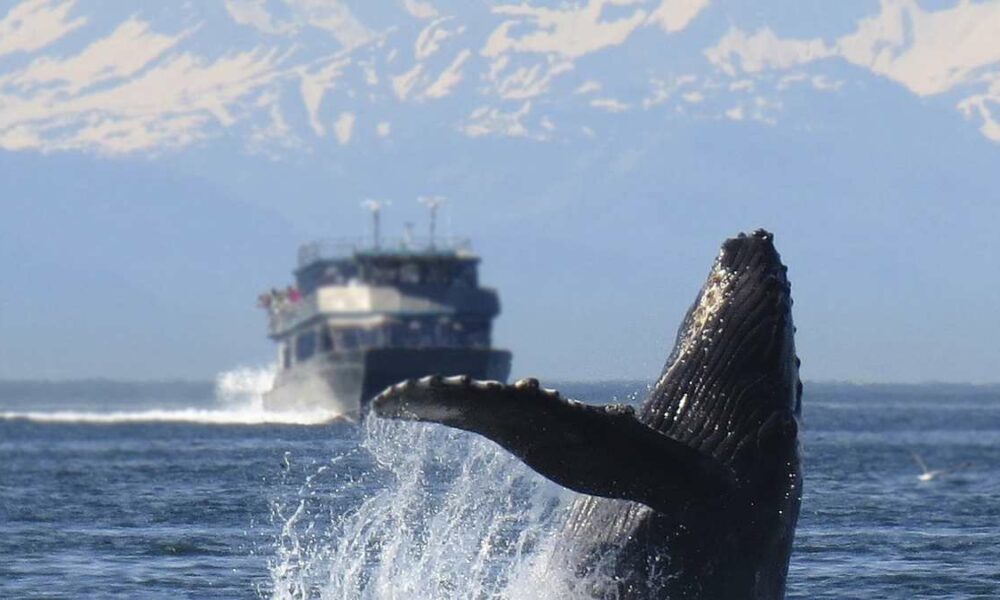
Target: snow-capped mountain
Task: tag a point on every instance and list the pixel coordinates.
(289, 75)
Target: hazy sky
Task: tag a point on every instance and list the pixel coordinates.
(160, 168)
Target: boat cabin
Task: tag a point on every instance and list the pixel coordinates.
(351, 299)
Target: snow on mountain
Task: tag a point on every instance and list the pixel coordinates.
(289, 75)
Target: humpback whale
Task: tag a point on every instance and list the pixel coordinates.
(694, 495)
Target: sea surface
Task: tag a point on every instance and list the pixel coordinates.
(191, 490)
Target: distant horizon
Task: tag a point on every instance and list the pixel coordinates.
(544, 382)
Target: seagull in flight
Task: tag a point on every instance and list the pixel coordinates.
(929, 474)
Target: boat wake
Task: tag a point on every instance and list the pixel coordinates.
(238, 400)
(435, 514)
(187, 415)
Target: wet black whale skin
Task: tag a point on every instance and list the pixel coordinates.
(696, 494)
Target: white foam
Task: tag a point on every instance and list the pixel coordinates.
(244, 385)
(239, 400)
(183, 415)
(445, 514)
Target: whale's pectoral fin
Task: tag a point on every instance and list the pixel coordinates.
(598, 450)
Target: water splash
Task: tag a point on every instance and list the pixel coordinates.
(435, 514)
(244, 387)
(238, 400)
(187, 415)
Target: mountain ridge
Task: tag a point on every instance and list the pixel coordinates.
(296, 75)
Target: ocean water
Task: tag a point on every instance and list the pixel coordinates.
(188, 490)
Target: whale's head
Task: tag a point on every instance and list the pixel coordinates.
(732, 379)
(731, 390)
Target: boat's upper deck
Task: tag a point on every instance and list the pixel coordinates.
(403, 262)
(347, 283)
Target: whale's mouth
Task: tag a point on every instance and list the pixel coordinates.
(734, 362)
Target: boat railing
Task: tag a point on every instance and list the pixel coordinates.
(286, 314)
(329, 249)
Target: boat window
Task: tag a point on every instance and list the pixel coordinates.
(474, 333)
(409, 273)
(305, 346)
(373, 337)
(438, 274)
(325, 339)
(395, 334)
(466, 274)
(332, 275)
(384, 274)
(286, 356)
(348, 339)
(377, 339)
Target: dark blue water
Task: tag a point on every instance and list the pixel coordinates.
(139, 504)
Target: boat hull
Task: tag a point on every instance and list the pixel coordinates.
(343, 383)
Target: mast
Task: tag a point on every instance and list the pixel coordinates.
(432, 203)
(375, 206)
(408, 235)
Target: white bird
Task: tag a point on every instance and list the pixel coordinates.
(929, 474)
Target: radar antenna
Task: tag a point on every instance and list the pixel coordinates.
(408, 235)
(432, 203)
(375, 207)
